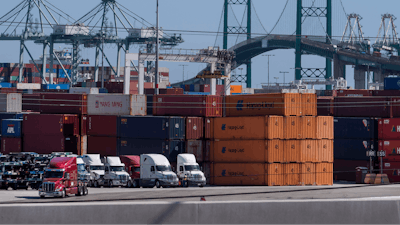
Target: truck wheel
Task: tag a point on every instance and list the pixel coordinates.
(135, 184)
(96, 184)
(64, 194)
(42, 196)
(110, 184)
(158, 185)
(129, 184)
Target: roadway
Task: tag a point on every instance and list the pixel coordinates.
(212, 193)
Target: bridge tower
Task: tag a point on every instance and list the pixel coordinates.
(303, 12)
(238, 30)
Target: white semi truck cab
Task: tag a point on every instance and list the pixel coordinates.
(115, 174)
(188, 170)
(155, 170)
(95, 168)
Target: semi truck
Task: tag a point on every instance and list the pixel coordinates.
(96, 169)
(115, 174)
(132, 166)
(61, 179)
(188, 171)
(155, 171)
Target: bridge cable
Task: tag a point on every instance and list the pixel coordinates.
(258, 17)
(219, 27)
(280, 17)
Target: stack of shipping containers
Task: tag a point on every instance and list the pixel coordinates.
(11, 138)
(389, 141)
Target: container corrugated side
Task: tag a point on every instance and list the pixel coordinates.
(109, 104)
(391, 148)
(325, 151)
(207, 172)
(292, 174)
(362, 107)
(355, 128)
(308, 127)
(307, 174)
(102, 125)
(11, 128)
(237, 151)
(353, 149)
(105, 146)
(9, 144)
(325, 106)
(274, 174)
(392, 169)
(59, 103)
(292, 127)
(389, 129)
(308, 104)
(195, 147)
(46, 144)
(324, 173)
(208, 128)
(238, 173)
(274, 151)
(51, 124)
(31, 102)
(11, 102)
(194, 128)
(84, 90)
(324, 127)
(274, 127)
(138, 105)
(300, 151)
(247, 128)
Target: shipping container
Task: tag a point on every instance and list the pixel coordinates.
(274, 151)
(238, 151)
(9, 144)
(394, 107)
(274, 174)
(149, 104)
(307, 174)
(11, 102)
(29, 86)
(151, 127)
(207, 150)
(48, 124)
(392, 83)
(300, 151)
(388, 93)
(325, 150)
(354, 93)
(63, 103)
(195, 147)
(292, 174)
(11, 128)
(208, 128)
(391, 148)
(288, 104)
(389, 129)
(324, 173)
(346, 169)
(308, 104)
(102, 126)
(308, 127)
(392, 169)
(46, 144)
(248, 128)
(361, 107)
(325, 106)
(238, 173)
(105, 146)
(169, 148)
(207, 172)
(56, 86)
(84, 144)
(4, 116)
(187, 105)
(109, 104)
(353, 149)
(355, 128)
(292, 127)
(84, 90)
(194, 128)
(235, 89)
(325, 127)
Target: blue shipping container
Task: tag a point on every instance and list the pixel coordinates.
(62, 74)
(355, 128)
(5, 85)
(169, 148)
(149, 99)
(196, 93)
(11, 128)
(5, 64)
(151, 127)
(392, 83)
(353, 149)
(191, 87)
(55, 86)
(103, 90)
(4, 116)
(54, 70)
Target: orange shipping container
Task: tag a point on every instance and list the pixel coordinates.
(309, 104)
(308, 127)
(238, 174)
(274, 151)
(324, 173)
(236, 89)
(292, 127)
(234, 151)
(325, 127)
(283, 104)
(248, 128)
(325, 151)
(209, 128)
(274, 174)
(300, 151)
(292, 174)
(307, 173)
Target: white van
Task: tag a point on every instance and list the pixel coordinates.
(189, 169)
(95, 168)
(115, 174)
(155, 170)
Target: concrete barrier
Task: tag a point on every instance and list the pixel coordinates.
(374, 210)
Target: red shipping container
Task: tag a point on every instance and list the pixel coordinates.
(220, 90)
(392, 149)
(63, 103)
(105, 146)
(45, 124)
(387, 93)
(346, 169)
(394, 107)
(354, 93)
(208, 128)
(102, 126)
(194, 128)
(389, 129)
(361, 107)
(325, 106)
(187, 105)
(392, 169)
(164, 91)
(332, 93)
(46, 144)
(31, 102)
(8, 90)
(205, 88)
(11, 145)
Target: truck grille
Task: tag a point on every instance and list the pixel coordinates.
(197, 177)
(170, 177)
(123, 177)
(48, 187)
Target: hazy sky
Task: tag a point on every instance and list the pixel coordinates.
(181, 16)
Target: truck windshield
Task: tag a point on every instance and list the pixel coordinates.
(163, 168)
(192, 167)
(117, 168)
(96, 167)
(53, 174)
(81, 167)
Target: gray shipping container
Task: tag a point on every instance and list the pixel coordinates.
(11, 102)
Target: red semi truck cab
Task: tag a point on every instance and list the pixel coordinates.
(132, 166)
(61, 179)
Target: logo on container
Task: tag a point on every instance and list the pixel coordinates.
(97, 104)
(239, 105)
(223, 126)
(10, 129)
(223, 173)
(395, 129)
(223, 149)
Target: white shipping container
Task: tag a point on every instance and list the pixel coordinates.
(108, 104)
(83, 144)
(84, 90)
(29, 86)
(138, 105)
(11, 102)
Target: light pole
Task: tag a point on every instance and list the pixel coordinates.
(284, 73)
(268, 66)
(276, 78)
(183, 74)
(157, 55)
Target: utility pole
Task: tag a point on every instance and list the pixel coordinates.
(268, 67)
(183, 74)
(284, 73)
(157, 56)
